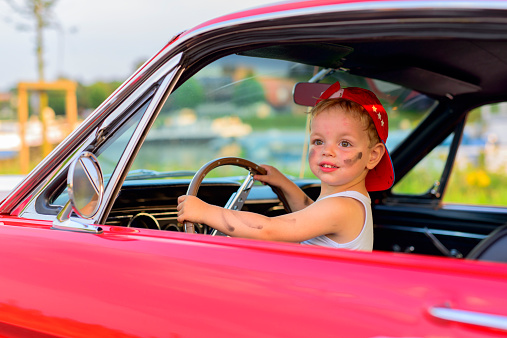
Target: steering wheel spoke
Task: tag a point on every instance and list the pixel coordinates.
(237, 200)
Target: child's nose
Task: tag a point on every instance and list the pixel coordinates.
(328, 150)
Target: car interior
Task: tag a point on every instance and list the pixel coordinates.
(243, 105)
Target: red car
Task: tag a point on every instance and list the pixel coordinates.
(90, 244)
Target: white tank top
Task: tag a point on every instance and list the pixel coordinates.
(364, 241)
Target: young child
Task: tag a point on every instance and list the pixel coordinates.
(347, 153)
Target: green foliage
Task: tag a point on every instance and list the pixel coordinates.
(417, 182)
(477, 186)
(277, 120)
(248, 92)
(56, 100)
(90, 97)
(189, 95)
(467, 186)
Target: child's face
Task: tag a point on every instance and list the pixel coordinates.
(339, 151)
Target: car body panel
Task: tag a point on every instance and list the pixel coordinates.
(147, 283)
(139, 282)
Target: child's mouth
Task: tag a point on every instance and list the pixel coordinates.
(328, 167)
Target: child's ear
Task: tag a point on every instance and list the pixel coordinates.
(376, 154)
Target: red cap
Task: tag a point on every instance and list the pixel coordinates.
(382, 176)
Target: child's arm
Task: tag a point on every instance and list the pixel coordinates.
(334, 216)
(296, 198)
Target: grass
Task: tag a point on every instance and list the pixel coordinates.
(467, 186)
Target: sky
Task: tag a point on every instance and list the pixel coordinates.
(100, 40)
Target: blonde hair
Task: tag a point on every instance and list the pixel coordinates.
(352, 108)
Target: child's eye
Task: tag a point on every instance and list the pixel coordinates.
(317, 142)
(345, 144)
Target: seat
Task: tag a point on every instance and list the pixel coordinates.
(492, 248)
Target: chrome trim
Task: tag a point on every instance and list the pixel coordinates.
(63, 220)
(469, 317)
(433, 231)
(475, 208)
(237, 199)
(144, 214)
(440, 246)
(116, 175)
(97, 185)
(65, 223)
(320, 75)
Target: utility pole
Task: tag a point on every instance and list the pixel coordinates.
(40, 13)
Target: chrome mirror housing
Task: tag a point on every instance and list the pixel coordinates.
(85, 186)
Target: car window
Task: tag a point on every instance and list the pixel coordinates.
(243, 106)
(111, 151)
(478, 175)
(426, 174)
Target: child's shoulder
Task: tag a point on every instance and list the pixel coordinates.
(346, 195)
(347, 201)
(341, 214)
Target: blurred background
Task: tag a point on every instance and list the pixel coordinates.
(85, 49)
(82, 50)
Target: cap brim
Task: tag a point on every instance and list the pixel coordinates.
(382, 176)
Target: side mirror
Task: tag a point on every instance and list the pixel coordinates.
(307, 93)
(85, 185)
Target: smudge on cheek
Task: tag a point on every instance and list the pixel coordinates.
(352, 161)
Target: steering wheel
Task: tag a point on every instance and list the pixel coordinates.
(238, 198)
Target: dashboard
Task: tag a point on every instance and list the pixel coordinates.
(152, 203)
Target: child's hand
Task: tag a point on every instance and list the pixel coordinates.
(273, 176)
(295, 197)
(191, 209)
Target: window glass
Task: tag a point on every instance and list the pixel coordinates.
(237, 106)
(427, 173)
(243, 106)
(478, 175)
(111, 151)
(109, 154)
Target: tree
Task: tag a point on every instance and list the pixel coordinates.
(189, 95)
(248, 92)
(41, 13)
(91, 96)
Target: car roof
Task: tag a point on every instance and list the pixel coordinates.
(446, 63)
(289, 8)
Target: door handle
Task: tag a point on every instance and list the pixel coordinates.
(469, 317)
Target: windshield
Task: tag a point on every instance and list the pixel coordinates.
(243, 106)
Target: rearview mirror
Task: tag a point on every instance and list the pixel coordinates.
(307, 93)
